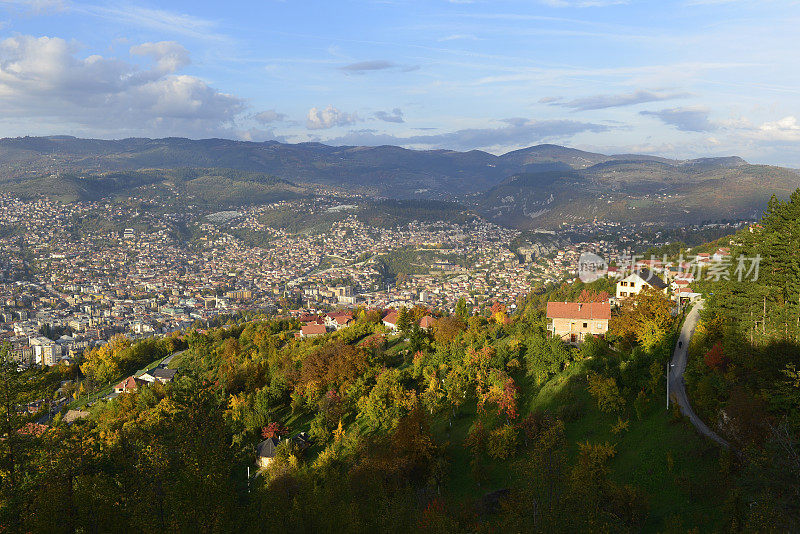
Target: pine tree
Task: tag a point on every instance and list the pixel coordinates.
(403, 321)
(461, 309)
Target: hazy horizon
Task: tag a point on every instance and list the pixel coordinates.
(680, 79)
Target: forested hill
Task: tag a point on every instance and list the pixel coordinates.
(744, 366)
(540, 186)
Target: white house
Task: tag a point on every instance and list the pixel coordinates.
(632, 284)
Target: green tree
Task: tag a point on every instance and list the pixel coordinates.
(387, 402)
(461, 310)
(13, 449)
(502, 442)
(403, 320)
(606, 393)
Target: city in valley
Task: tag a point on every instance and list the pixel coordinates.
(66, 287)
(412, 266)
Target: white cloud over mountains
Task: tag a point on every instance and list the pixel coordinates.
(269, 116)
(330, 117)
(785, 129)
(44, 78)
(169, 56)
(514, 132)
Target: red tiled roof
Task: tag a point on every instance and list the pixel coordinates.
(127, 384)
(391, 317)
(426, 322)
(307, 318)
(578, 310)
(341, 317)
(311, 329)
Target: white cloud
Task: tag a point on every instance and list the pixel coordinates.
(42, 78)
(37, 7)
(168, 55)
(330, 117)
(458, 37)
(785, 129)
(155, 19)
(513, 133)
(268, 116)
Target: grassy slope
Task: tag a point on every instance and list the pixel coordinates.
(687, 489)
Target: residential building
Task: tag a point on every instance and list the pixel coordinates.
(574, 321)
(632, 284)
(313, 330)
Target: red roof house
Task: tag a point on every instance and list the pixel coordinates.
(313, 330)
(575, 321)
(391, 319)
(127, 385)
(427, 322)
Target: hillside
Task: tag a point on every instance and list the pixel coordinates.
(483, 423)
(211, 187)
(462, 428)
(539, 186)
(638, 191)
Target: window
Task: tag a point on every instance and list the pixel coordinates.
(585, 325)
(623, 284)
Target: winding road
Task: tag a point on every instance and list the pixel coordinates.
(677, 387)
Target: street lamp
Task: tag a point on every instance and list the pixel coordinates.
(668, 376)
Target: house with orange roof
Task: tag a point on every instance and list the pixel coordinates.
(390, 321)
(126, 386)
(338, 320)
(573, 322)
(313, 330)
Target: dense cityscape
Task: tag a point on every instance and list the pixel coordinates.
(82, 284)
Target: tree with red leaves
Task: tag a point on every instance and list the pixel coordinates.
(274, 430)
(716, 358)
(498, 307)
(499, 313)
(507, 402)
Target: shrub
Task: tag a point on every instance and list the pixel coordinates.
(606, 392)
(502, 442)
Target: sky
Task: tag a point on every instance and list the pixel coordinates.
(682, 79)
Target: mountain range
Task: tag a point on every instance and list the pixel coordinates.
(537, 187)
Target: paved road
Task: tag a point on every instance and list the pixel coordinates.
(169, 358)
(677, 387)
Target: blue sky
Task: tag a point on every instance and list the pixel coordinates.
(682, 79)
